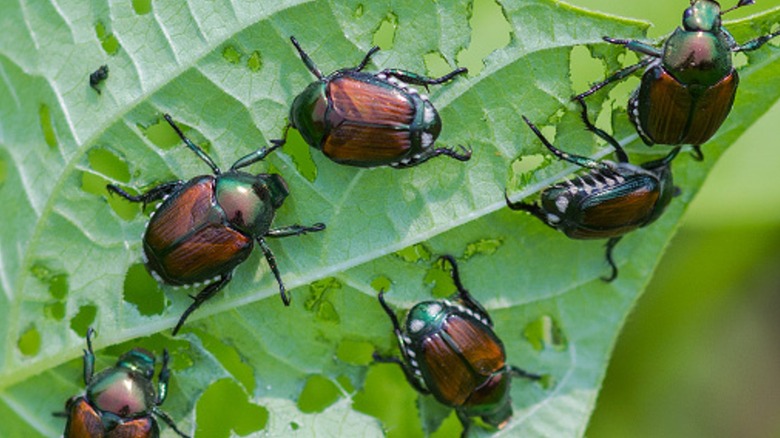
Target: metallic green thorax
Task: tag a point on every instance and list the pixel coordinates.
(426, 318)
(250, 201)
(700, 52)
(307, 113)
(125, 390)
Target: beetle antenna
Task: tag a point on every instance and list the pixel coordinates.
(306, 60)
(739, 4)
(366, 58)
(390, 313)
(195, 148)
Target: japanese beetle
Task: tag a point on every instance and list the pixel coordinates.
(689, 85)
(98, 76)
(370, 119)
(450, 350)
(610, 200)
(121, 401)
(205, 227)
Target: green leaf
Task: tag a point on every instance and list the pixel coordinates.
(226, 71)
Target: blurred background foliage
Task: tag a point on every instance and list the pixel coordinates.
(699, 356)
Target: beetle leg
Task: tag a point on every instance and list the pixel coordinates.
(152, 195)
(754, 43)
(269, 257)
(534, 209)
(202, 296)
(162, 379)
(519, 372)
(463, 293)
(637, 46)
(619, 152)
(294, 230)
(306, 60)
(169, 421)
(579, 160)
(193, 147)
(409, 374)
(259, 154)
(465, 421)
(425, 156)
(610, 246)
(618, 75)
(414, 78)
(696, 153)
(89, 358)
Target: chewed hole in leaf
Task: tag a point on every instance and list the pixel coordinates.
(318, 393)
(523, 169)
(143, 291)
(384, 36)
(318, 300)
(84, 319)
(355, 352)
(544, 332)
(55, 310)
(414, 253)
(387, 395)
(109, 42)
(3, 167)
(482, 247)
(255, 62)
(30, 342)
(436, 65)
(225, 407)
(162, 135)
(105, 163)
(439, 275)
(300, 152)
(381, 283)
(490, 31)
(47, 126)
(231, 359)
(231, 54)
(142, 7)
(584, 69)
(358, 11)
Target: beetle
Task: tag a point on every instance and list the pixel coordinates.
(205, 227)
(120, 401)
(610, 200)
(370, 119)
(690, 83)
(450, 350)
(98, 76)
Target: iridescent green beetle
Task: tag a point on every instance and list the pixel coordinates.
(207, 226)
(370, 119)
(120, 401)
(450, 350)
(689, 85)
